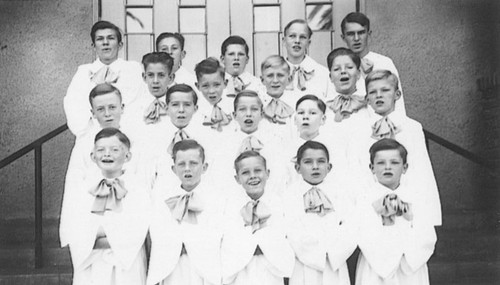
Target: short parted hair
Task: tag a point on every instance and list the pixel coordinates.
(102, 89)
(311, 145)
(298, 21)
(388, 144)
(158, 57)
(177, 36)
(342, 51)
(247, 154)
(275, 61)
(246, 93)
(321, 104)
(184, 88)
(210, 65)
(102, 25)
(233, 40)
(355, 17)
(113, 132)
(382, 75)
(185, 145)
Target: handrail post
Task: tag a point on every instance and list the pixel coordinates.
(38, 207)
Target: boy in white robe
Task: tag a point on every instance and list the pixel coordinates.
(173, 44)
(186, 227)
(396, 237)
(320, 221)
(254, 246)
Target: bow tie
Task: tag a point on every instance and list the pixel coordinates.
(366, 65)
(384, 128)
(277, 111)
(185, 207)
(108, 195)
(218, 119)
(237, 86)
(302, 77)
(255, 214)
(104, 75)
(251, 143)
(390, 206)
(315, 201)
(155, 110)
(344, 105)
(180, 135)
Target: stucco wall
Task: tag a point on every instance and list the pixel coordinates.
(41, 45)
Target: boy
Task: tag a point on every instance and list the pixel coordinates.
(254, 248)
(107, 217)
(186, 226)
(317, 216)
(309, 77)
(396, 238)
(383, 93)
(173, 44)
(355, 33)
(125, 75)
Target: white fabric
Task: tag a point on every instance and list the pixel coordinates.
(182, 75)
(320, 83)
(287, 130)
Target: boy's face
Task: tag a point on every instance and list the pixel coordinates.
(235, 59)
(308, 117)
(158, 78)
(252, 175)
(297, 41)
(344, 74)
(110, 154)
(248, 114)
(106, 45)
(388, 167)
(181, 108)
(276, 79)
(211, 86)
(356, 38)
(313, 166)
(189, 167)
(107, 109)
(382, 96)
(173, 47)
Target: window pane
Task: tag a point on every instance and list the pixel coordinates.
(140, 2)
(140, 20)
(319, 17)
(266, 44)
(192, 20)
(138, 45)
(196, 50)
(267, 19)
(191, 2)
(266, 1)
(321, 45)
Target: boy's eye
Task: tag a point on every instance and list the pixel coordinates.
(245, 172)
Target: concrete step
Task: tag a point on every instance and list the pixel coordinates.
(467, 245)
(464, 272)
(471, 220)
(24, 256)
(60, 275)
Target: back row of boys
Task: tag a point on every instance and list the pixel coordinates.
(238, 117)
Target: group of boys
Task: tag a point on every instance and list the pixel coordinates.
(167, 160)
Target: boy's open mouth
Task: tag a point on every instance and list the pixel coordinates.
(344, 79)
(188, 176)
(236, 64)
(254, 182)
(181, 117)
(316, 174)
(379, 102)
(248, 121)
(296, 48)
(387, 174)
(107, 160)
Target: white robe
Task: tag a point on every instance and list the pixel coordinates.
(319, 84)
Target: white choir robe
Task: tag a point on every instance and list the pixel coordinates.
(419, 174)
(321, 244)
(183, 76)
(205, 113)
(239, 264)
(249, 81)
(395, 254)
(201, 264)
(76, 102)
(287, 130)
(319, 84)
(125, 261)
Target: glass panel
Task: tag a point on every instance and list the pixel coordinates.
(192, 20)
(138, 45)
(139, 20)
(321, 45)
(266, 19)
(267, 44)
(192, 2)
(266, 1)
(140, 2)
(196, 50)
(320, 16)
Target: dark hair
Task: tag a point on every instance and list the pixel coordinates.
(355, 17)
(209, 66)
(298, 21)
(113, 132)
(246, 93)
(187, 145)
(177, 36)
(102, 25)
(342, 51)
(184, 88)
(388, 144)
(233, 40)
(311, 145)
(102, 89)
(247, 154)
(158, 57)
(321, 104)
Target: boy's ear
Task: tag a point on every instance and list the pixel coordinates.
(329, 167)
(92, 156)
(173, 168)
(172, 76)
(398, 94)
(183, 54)
(128, 156)
(204, 167)
(225, 82)
(197, 85)
(323, 119)
(222, 58)
(371, 167)
(405, 167)
(297, 167)
(144, 76)
(236, 178)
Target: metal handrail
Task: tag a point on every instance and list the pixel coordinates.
(37, 147)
